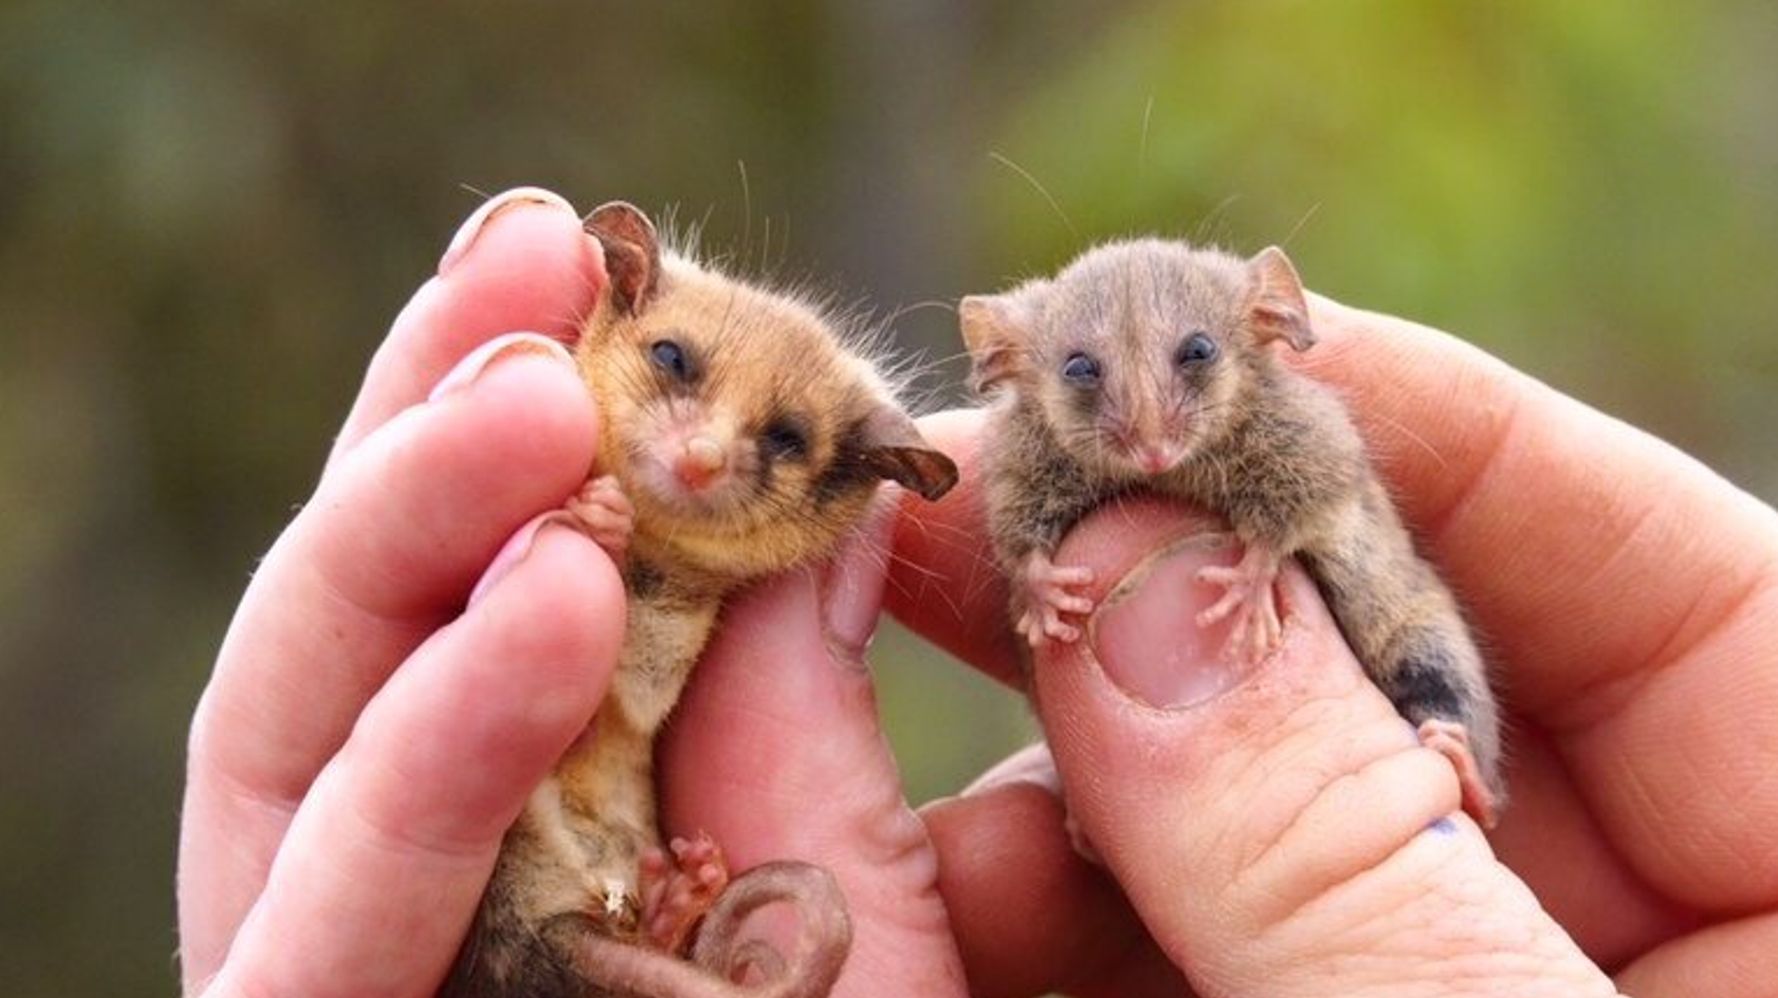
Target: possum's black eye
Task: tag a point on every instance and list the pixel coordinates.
(784, 439)
(1080, 370)
(670, 357)
(1198, 348)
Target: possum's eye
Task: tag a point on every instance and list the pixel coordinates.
(1080, 370)
(671, 358)
(784, 439)
(1198, 348)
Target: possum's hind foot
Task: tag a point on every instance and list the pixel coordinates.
(1249, 598)
(678, 890)
(1049, 592)
(605, 514)
(1451, 740)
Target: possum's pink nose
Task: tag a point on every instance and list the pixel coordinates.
(1155, 458)
(700, 462)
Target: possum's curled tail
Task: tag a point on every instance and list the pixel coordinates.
(720, 957)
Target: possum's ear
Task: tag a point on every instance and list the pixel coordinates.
(632, 252)
(995, 330)
(1277, 310)
(894, 449)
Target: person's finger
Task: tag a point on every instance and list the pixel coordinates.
(1734, 959)
(520, 261)
(1617, 582)
(383, 867)
(385, 552)
(1550, 839)
(775, 750)
(944, 586)
(1277, 826)
(1622, 582)
(1549, 516)
(1030, 916)
(943, 580)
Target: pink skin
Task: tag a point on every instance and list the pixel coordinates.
(605, 514)
(1250, 598)
(355, 810)
(687, 462)
(1050, 592)
(365, 741)
(1290, 813)
(1451, 740)
(678, 890)
(776, 751)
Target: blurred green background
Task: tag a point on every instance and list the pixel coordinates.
(209, 213)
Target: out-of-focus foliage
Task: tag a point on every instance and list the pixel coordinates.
(1588, 189)
(208, 214)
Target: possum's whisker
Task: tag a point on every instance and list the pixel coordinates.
(1003, 160)
(911, 307)
(746, 212)
(1298, 227)
(1412, 436)
(1142, 148)
(1204, 232)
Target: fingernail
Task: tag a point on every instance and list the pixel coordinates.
(1032, 765)
(1146, 635)
(500, 347)
(852, 589)
(479, 219)
(514, 552)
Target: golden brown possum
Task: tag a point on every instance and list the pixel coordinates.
(741, 435)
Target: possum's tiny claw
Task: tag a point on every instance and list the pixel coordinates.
(605, 514)
(1231, 600)
(676, 893)
(1048, 594)
(1249, 597)
(1048, 624)
(1069, 575)
(1451, 740)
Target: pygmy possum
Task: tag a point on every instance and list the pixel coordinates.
(1148, 365)
(741, 434)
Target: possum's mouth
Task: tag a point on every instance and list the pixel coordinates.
(657, 483)
(712, 503)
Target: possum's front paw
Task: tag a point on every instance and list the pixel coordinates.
(678, 890)
(1048, 592)
(605, 514)
(1247, 596)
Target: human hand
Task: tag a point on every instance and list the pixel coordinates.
(367, 737)
(368, 884)
(1280, 833)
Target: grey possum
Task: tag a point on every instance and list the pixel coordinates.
(1147, 364)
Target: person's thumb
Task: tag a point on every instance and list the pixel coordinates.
(776, 752)
(1277, 826)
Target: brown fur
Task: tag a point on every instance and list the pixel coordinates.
(1272, 451)
(759, 360)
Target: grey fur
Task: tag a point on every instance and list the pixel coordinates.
(1272, 451)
